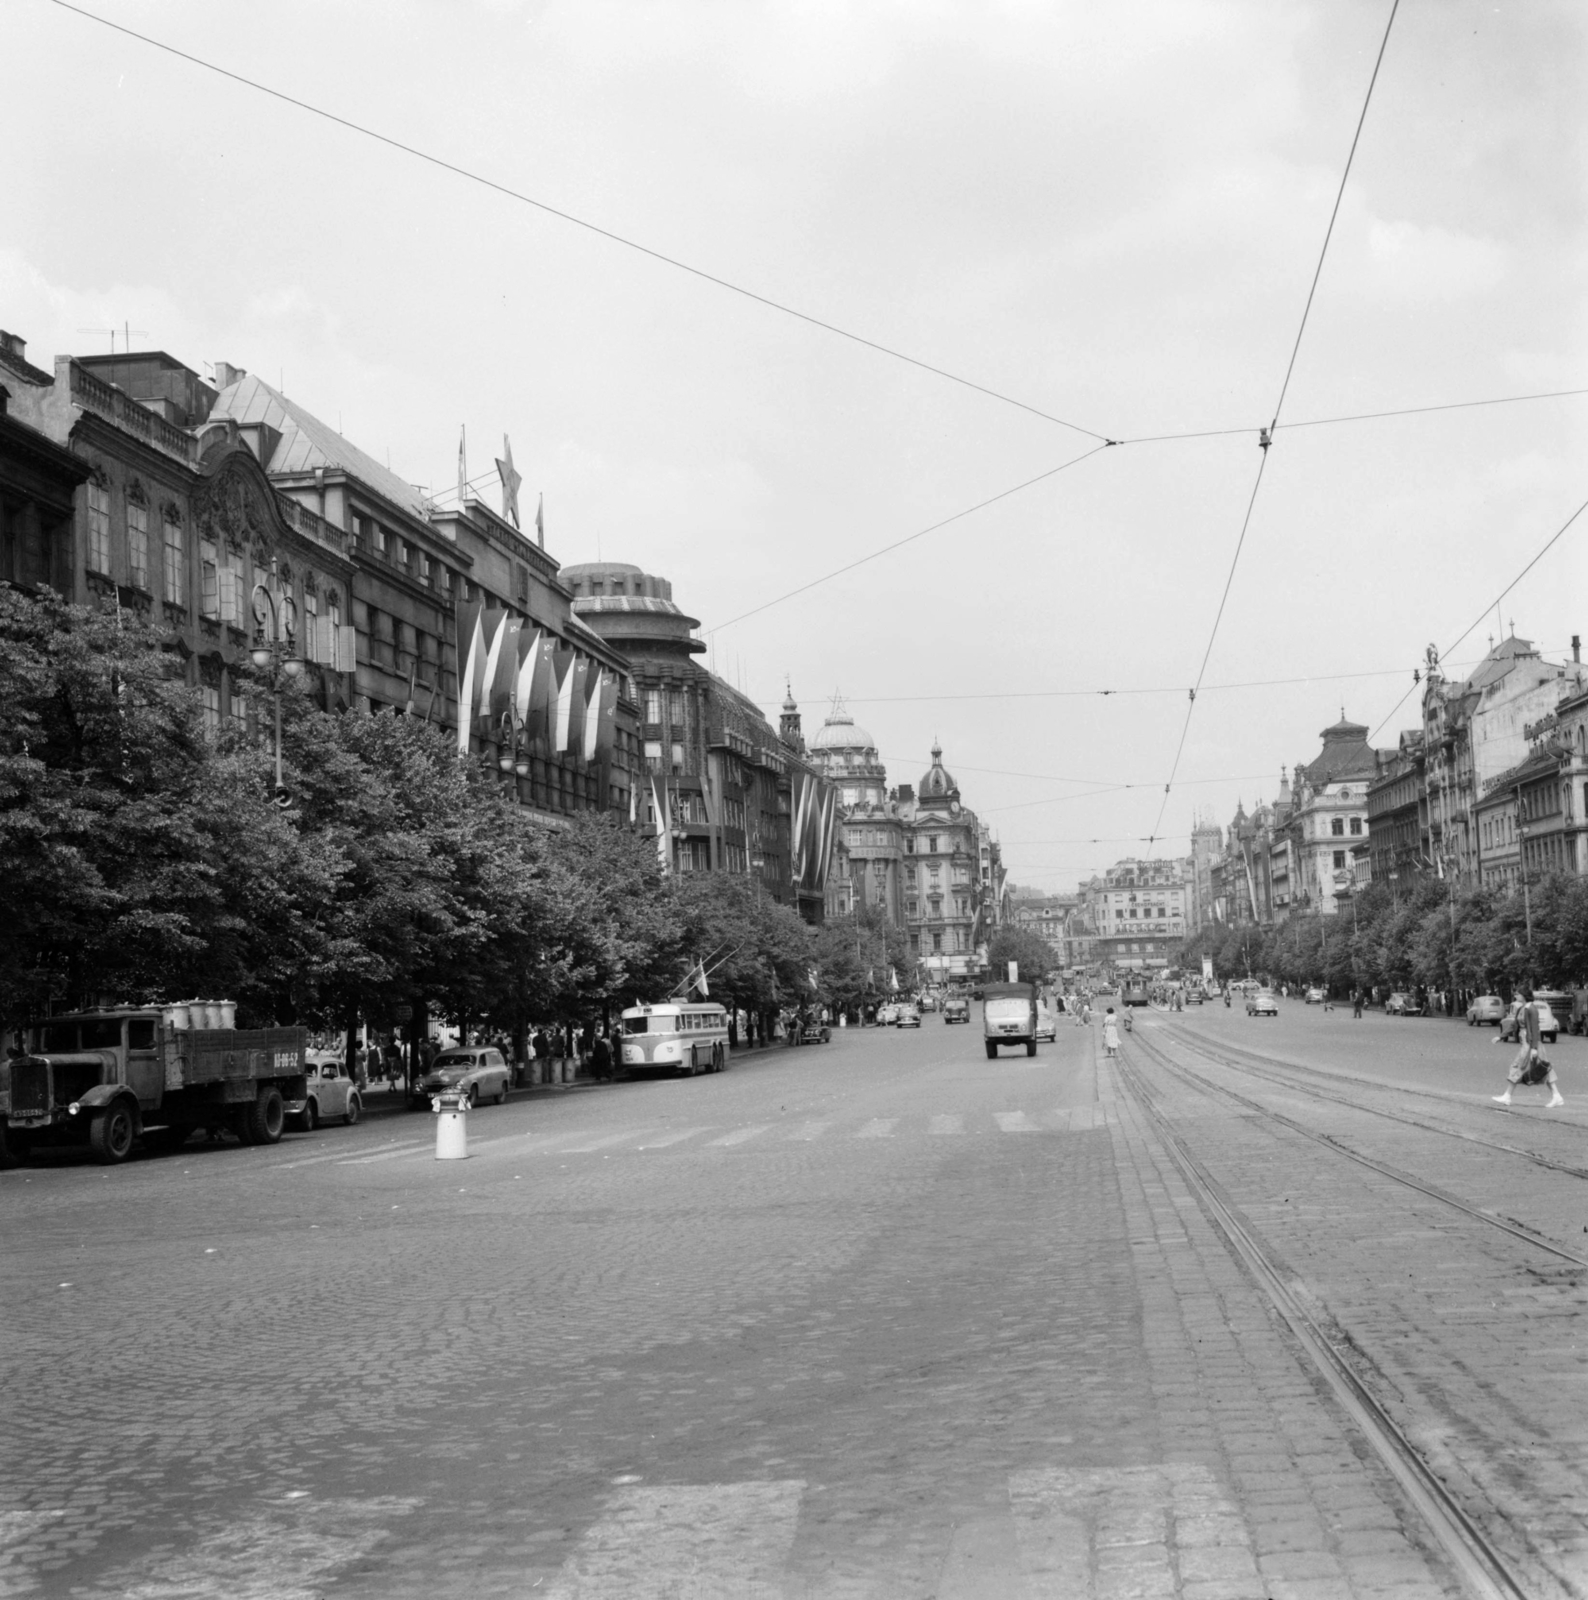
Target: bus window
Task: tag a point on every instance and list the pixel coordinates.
(636, 1024)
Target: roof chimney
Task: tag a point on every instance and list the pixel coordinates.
(226, 374)
(13, 345)
(1576, 647)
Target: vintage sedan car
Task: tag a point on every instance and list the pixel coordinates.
(478, 1072)
(908, 1017)
(1047, 1027)
(1548, 1027)
(1485, 1009)
(329, 1093)
(815, 1031)
(1315, 996)
(887, 1015)
(1261, 1003)
(956, 1009)
(1401, 1004)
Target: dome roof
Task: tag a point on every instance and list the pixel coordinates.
(939, 780)
(839, 732)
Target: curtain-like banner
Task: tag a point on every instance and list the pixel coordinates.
(470, 645)
(815, 814)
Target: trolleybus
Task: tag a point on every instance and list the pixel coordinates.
(687, 1035)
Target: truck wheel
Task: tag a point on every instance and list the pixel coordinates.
(262, 1122)
(110, 1135)
(1031, 1047)
(354, 1107)
(992, 1051)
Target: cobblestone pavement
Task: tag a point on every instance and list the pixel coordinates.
(881, 1318)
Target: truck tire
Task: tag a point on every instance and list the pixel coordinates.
(111, 1133)
(992, 1051)
(1031, 1047)
(262, 1122)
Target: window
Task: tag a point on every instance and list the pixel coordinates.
(931, 844)
(137, 543)
(653, 706)
(98, 528)
(311, 627)
(210, 586)
(333, 617)
(175, 566)
(678, 758)
(937, 944)
(231, 576)
(1337, 826)
(1339, 860)
(653, 754)
(912, 907)
(212, 711)
(1356, 825)
(675, 708)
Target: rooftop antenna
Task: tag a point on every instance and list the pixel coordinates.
(126, 332)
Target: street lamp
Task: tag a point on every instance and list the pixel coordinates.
(276, 616)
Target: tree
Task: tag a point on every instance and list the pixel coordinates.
(1034, 955)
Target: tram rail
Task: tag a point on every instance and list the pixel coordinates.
(1485, 1570)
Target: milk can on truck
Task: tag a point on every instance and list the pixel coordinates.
(106, 1078)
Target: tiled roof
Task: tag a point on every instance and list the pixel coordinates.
(307, 443)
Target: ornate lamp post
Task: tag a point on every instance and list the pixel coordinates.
(276, 630)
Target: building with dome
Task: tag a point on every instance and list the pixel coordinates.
(915, 852)
(721, 789)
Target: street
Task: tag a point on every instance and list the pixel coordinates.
(877, 1318)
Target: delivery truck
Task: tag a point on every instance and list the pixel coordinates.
(106, 1078)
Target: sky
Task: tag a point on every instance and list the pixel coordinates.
(1108, 215)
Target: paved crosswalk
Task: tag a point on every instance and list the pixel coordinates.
(1142, 1532)
(796, 1131)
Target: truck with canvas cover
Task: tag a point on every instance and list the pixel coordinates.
(108, 1077)
(1009, 1016)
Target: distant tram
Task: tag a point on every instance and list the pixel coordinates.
(687, 1035)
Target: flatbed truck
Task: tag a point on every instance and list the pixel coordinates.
(108, 1077)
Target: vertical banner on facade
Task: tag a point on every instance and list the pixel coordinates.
(607, 716)
(595, 694)
(524, 675)
(499, 692)
(494, 624)
(663, 829)
(815, 810)
(560, 706)
(470, 645)
(570, 707)
(542, 693)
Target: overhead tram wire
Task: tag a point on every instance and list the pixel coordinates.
(1265, 438)
(1477, 621)
(580, 222)
(981, 505)
(1358, 416)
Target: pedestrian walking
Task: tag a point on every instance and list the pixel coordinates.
(1531, 1064)
(1110, 1033)
(1356, 1002)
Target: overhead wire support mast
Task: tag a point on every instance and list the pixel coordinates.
(580, 222)
(1265, 437)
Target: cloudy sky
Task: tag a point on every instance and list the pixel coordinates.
(1110, 214)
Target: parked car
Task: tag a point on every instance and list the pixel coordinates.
(1548, 1027)
(956, 1009)
(1315, 996)
(1261, 1003)
(1485, 1009)
(814, 1032)
(477, 1071)
(328, 1093)
(1401, 1004)
(1047, 1028)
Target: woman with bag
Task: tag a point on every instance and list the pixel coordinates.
(1531, 1064)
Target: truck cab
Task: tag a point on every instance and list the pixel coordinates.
(1009, 1016)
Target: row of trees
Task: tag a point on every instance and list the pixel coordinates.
(1434, 936)
(143, 856)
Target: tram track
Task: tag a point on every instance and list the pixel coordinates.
(1385, 1169)
(1483, 1568)
(1294, 1076)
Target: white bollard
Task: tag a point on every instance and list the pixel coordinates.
(452, 1127)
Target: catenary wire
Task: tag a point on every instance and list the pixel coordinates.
(1477, 621)
(981, 505)
(578, 222)
(1358, 416)
(1266, 438)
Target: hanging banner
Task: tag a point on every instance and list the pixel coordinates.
(594, 688)
(469, 641)
(564, 662)
(607, 724)
(494, 624)
(500, 692)
(659, 802)
(542, 694)
(524, 673)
